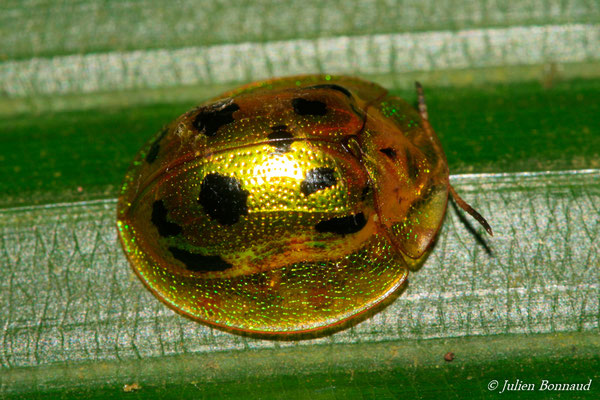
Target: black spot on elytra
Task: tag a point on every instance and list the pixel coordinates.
(280, 138)
(198, 262)
(365, 192)
(412, 167)
(317, 179)
(343, 225)
(332, 87)
(388, 151)
(211, 118)
(159, 219)
(309, 107)
(155, 147)
(223, 198)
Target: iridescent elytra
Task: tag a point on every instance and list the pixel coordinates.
(286, 206)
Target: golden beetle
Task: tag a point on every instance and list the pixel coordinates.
(287, 205)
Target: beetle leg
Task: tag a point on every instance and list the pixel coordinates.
(465, 206)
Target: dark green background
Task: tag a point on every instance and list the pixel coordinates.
(493, 128)
(497, 115)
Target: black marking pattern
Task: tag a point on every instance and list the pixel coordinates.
(332, 87)
(155, 147)
(280, 138)
(359, 113)
(309, 107)
(343, 225)
(159, 219)
(388, 151)
(412, 167)
(198, 262)
(223, 198)
(365, 192)
(318, 179)
(211, 118)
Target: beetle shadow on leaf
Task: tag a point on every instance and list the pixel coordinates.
(479, 237)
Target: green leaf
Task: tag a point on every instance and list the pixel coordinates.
(513, 90)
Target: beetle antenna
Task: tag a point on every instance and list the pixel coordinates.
(423, 110)
(427, 126)
(422, 104)
(465, 206)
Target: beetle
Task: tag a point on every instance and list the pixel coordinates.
(287, 205)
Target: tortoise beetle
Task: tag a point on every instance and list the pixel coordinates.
(287, 205)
